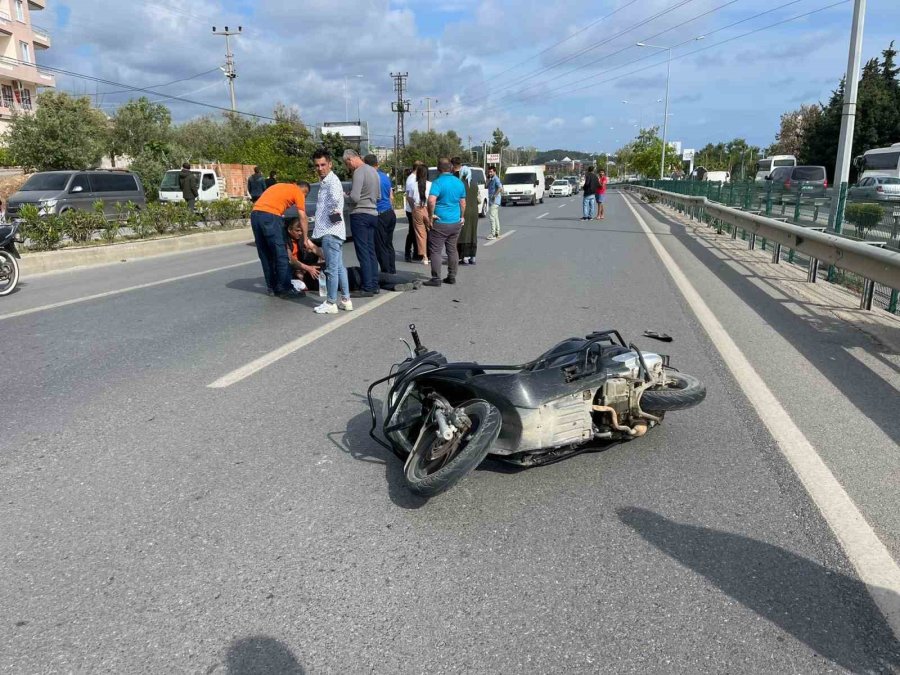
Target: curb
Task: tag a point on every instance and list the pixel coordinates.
(47, 262)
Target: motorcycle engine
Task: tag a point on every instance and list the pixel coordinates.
(618, 392)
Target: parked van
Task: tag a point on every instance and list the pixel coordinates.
(523, 185)
(718, 176)
(478, 174)
(879, 162)
(764, 167)
(211, 186)
(60, 191)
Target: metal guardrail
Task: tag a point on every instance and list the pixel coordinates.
(872, 263)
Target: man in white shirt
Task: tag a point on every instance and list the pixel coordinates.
(332, 231)
(417, 216)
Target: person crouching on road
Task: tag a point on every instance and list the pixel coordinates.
(267, 222)
(446, 205)
(331, 230)
(364, 218)
(305, 262)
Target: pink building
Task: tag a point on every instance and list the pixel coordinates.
(20, 78)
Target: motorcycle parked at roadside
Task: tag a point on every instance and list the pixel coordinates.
(9, 266)
(443, 418)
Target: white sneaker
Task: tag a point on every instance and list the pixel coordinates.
(326, 308)
(346, 305)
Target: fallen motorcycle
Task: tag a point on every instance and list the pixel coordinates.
(442, 419)
(9, 267)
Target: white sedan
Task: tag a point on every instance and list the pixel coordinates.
(561, 188)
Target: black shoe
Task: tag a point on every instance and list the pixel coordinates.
(432, 282)
(270, 292)
(450, 280)
(471, 261)
(462, 261)
(408, 258)
(293, 293)
(361, 294)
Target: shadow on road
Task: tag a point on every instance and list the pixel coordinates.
(261, 655)
(818, 606)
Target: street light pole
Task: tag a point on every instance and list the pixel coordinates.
(848, 118)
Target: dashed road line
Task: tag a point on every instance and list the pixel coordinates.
(543, 215)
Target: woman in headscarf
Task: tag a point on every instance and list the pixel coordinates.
(468, 236)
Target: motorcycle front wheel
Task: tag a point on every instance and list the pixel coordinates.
(436, 465)
(9, 273)
(682, 391)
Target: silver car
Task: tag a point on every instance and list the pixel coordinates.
(876, 189)
(60, 191)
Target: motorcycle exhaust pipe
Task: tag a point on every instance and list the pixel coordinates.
(639, 429)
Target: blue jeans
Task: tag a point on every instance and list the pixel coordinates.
(268, 233)
(363, 225)
(335, 272)
(589, 206)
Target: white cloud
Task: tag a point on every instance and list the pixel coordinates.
(555, 123)
(588, 121)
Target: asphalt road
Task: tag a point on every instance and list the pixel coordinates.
(150, 523)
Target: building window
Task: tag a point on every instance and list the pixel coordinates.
(7, 95)
(26, 52)
(20, 10)
(26, 99)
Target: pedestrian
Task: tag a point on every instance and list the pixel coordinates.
(446, 204)
(495, 196)
(364, 218)
(468, 236)
(189, 182)
(267, 222)
(589, 194)
(387, 220)
(601, 194)
(272, 179)
(331, 230)
(417, 190)
(409, 202)
(256, 184)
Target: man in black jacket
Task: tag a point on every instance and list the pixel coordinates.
(256, 184)
(189, 182)
(589, 194)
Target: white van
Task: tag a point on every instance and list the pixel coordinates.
(523, 185)
(765, 166)
(879, 162)
(212, 186)
(478, 173)
(718, 176)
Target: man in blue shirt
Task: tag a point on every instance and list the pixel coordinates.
(495, 192)
(387, 221)
(446, 204)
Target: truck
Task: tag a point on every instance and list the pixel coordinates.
(216, 181)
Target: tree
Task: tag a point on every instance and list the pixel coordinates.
(153, 161)
(429, 146)
(204, 138)
(644, 154)
(63, 133)
(138, 123)
(500, 141)
(335, 145)
(794, 124)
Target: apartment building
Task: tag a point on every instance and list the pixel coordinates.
(20, 39)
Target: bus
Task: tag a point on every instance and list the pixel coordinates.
(879, 162)
(764, 166)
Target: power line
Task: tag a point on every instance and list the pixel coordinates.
(164, 84)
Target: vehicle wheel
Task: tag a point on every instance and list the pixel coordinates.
(437, 465)
(534, 200)
(682, 391)
(542, 200)
(9, 273)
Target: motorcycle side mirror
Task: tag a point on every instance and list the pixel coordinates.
(420, 348)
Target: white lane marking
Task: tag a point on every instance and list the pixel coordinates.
(543, 215)
(874, 564)
(502, 236)
(119, 291)
(562, 206)
(265, 360)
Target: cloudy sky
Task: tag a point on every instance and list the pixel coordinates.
(550, 74)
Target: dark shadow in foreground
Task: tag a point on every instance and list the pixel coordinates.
(261, 655)
(830, 612)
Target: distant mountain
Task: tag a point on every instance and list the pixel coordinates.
(546, 155)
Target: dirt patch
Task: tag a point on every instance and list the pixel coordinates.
(10, 184)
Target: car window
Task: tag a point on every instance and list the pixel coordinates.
(479, 176)
(865, 182)
(809, 173)
(890, 181)
(113, 182)
(40, 182)
(81, 180)
(780, 173)
(208, 181)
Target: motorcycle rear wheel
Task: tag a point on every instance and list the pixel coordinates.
(428, 475)
(9, 273)
(682, 391)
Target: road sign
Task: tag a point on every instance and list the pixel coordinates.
(687, 155)
(493, 158)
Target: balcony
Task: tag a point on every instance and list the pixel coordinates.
(41, 37)
(26, 72)
(6, 23)
(37, 4)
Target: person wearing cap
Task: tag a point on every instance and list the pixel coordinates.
(267, 222)
(387, 220)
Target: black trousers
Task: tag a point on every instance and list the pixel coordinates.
(384, 241)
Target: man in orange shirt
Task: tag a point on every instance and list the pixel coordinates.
(267, 222)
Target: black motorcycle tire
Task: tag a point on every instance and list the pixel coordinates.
(472, 451)
(683, 391)
(9, 261)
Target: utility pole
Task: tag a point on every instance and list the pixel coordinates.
(401, 107)
(430, 112)
(848, 118)
(229, 71)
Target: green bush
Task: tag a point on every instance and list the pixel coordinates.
(81, 225)
(224, 212)
(158, 217)
(183, 218)
(863, 217)
(44, 233)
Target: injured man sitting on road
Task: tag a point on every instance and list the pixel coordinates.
(307, 267)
